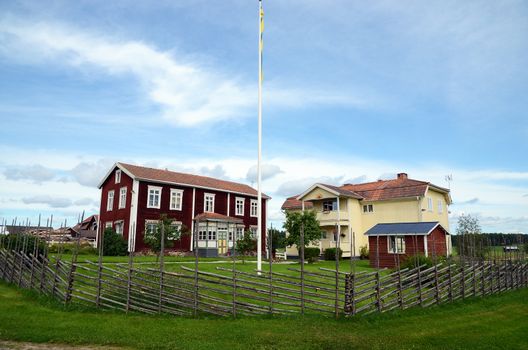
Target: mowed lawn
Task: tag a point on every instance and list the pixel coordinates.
(495, 322)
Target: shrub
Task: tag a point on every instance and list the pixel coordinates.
(363, 252)
(330, 253)
(414, 261)
(23, 241)
(113, 243)
(311, 254)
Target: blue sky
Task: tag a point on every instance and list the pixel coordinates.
(354, 90)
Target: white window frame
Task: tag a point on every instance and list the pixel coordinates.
(429, 204)
(440, 206)
(109, 224)
(110, 201)
(396, 239)
(239, 233)
(254, 232)
(148, 223)
(118, 176)
(368, 208)
(154, 188)
(209, 195)
(174, 193)
(122, 224)
(254, 206)
(122, 197)
(333, 205)
(242, 201)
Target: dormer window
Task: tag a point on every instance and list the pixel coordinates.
(118, 176)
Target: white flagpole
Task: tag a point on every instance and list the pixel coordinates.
(259, 174)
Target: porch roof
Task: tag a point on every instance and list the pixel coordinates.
(215, 217)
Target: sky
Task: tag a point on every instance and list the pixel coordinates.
(353, 91)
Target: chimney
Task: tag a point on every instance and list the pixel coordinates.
(402, 176)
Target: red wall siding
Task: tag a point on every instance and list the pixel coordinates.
(116, 214)
(413, 245)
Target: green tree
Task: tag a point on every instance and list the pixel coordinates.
(113, 243)
(152, 238)
(246, 245)
(471, 241)
(468, 224)
(277, 239)
(293, 223)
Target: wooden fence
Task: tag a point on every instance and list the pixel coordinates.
(229, 292)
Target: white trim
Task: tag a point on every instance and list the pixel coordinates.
(154, 188)
(109, 224)
(119, 166)
(430, 204)
(228, 203)
(425, 245)
(122, 222)
(116, 177)
(435, 226)
(396, 244)
(122, 203)
(110, 207)
(205, 202)
(243, 200)
(314, 186)
(254, 201)
(440, 206)
(177, 191)
(132, 229)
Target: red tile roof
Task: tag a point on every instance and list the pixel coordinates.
(401, 187)
(217, 217)
(151, 174)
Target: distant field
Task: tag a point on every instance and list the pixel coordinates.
(495, 322)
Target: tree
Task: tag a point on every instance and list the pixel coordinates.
(471, 241)
(277, 239)
(293, 223)
(152, 238)
(113, 243)
(246, 245)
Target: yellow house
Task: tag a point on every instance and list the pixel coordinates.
(346, 212)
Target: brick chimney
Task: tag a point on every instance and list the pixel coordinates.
(402, 176)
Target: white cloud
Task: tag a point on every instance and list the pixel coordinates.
(91, 173)
(53, 202)
(267, 170)
(188, 92)
(36, 173)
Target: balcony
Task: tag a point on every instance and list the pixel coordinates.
(331, 216)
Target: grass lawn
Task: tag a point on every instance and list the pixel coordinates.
(495, 322)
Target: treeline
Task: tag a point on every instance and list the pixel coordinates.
(496, 239)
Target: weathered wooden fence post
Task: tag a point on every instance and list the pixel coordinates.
(302, 266)
(161, 265)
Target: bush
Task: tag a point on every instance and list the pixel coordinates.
(330, 253)
(311, 254)
(363, 252)
(414, 261)
(113, 243)
(23, 241)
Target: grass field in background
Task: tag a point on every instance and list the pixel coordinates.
(494, 322)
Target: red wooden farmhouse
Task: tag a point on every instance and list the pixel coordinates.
(133, 198)
(391, 244)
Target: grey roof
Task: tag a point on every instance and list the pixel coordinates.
(404, 228)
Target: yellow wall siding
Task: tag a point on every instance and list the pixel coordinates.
(404, 210)
(434, 215)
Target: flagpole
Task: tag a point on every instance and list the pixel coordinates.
(259, 173)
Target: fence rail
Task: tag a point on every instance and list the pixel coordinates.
(228, 292)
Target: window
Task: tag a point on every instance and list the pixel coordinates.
(429, 204)
(202, 235)
(368, 208)
(253, 230)
(239, 233)
(154, 195)
(212, 235)
(110, 201)
(176, 197)
(330, 205)
(108, 224)
(254, 208)
(396, 244)
(209, 202)
(151, 227)
(119, 226)
(239, 206)
(118, 176)
(440, 207)
(122, 197)
(174, 233)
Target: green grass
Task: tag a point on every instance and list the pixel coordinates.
(138, 259)
(496, 322)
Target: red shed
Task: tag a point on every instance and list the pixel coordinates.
(393, 243)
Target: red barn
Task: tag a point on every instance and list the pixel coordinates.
(394, 242)
(134, 197)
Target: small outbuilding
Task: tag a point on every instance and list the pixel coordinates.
(391, 244)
